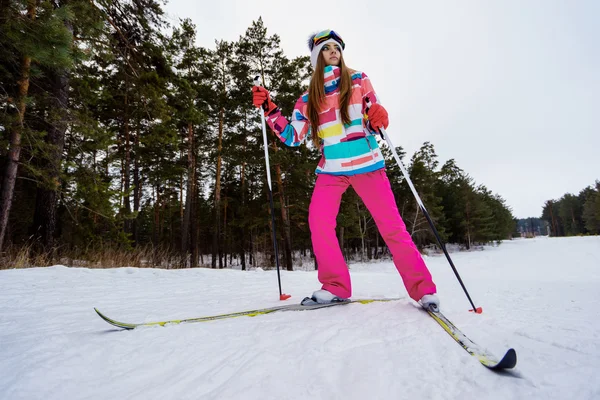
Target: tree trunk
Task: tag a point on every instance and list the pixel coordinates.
(251, 253)
(554, 224)
(16, 130)
(468, 224)
(362, 228)
(287, 243)
(243, 209)
(195, 226)
(414, 224)
(181, 178)
(226, 250)
(44, 221)
(216, 237)
(341, 240)
(4, 6)
(126, 160)
(137, 190)
(190, 192)
(243, 230)
(156, 228)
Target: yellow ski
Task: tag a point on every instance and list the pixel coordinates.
(249, 313)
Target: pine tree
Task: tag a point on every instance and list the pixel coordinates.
(263, 55)
(37, 35)
(583, 197)
(551, 215)
(499, 224)
(591, 210)
(454, 187)
(136, 76)
(185, 88)
(424, 177)
(570, 210)
(45, 218)
(402, 193)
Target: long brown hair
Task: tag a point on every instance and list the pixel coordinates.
(316, 95)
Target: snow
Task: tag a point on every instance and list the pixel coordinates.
(539, 296)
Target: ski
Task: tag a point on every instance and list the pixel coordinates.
(249, 313)
(508, 361)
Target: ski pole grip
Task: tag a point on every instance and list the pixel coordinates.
(369, 104)
(265, 105)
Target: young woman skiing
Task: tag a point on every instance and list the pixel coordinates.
(334, 114)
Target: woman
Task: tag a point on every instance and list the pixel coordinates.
(332, 112)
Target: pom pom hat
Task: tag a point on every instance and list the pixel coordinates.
(318, 40)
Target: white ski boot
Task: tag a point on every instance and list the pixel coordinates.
(430, 302)
(322, 296)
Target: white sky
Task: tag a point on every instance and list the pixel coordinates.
(508, 88)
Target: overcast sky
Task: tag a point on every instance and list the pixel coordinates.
(509, 88)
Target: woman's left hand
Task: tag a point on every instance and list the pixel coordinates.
(378, 117)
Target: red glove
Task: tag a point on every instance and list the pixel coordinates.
(378, 117)
(261, 98)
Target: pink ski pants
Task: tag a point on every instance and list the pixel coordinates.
(375, 191)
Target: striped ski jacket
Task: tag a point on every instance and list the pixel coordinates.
(346, 149)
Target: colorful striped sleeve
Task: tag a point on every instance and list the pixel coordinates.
(368, 92)
(293, 133)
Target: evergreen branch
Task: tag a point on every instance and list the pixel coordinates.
(61, 192)
(95, 212)
(29, 179)
(89, 39)
(110, 21)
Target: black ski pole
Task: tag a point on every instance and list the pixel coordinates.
(384, 135)
(282, 296)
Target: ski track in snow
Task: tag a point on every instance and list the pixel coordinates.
(539, 296)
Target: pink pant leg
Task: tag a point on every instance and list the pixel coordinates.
(375, 191)
(322, 215)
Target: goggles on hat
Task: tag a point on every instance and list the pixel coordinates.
(326, 35)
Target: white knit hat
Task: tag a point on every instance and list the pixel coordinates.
(318, 40)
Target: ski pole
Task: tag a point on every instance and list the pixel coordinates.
(385, 136)
(282, 296)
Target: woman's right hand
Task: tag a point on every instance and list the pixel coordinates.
(262, 99)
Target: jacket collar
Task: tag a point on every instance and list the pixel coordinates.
(332, 78)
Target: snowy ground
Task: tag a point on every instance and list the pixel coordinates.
(539, 296)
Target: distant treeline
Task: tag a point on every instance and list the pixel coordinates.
(122, 138)
(529, 227)
(574, 215)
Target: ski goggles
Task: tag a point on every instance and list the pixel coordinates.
(326, 35)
